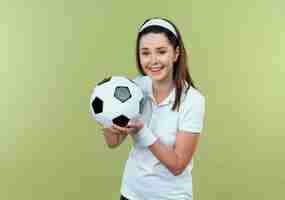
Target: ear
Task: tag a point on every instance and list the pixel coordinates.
(177, 53)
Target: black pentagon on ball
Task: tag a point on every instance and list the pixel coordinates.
(121, 121)
(97, 105)
(122, 93)
(104, 80)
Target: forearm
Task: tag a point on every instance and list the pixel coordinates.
(168, 157)
(175, 158)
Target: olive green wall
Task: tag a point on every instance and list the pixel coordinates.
(53, 52)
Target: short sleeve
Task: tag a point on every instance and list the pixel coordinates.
(192, 112)
(143, 82)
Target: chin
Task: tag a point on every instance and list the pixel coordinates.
(162, 76)
(157, 78)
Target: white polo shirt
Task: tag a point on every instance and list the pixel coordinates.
(145, 178)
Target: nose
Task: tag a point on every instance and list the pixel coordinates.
(154, 59)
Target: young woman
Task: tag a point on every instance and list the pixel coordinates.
(160, 162)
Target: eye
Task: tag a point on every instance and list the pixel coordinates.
(162, 52)
(144, 53)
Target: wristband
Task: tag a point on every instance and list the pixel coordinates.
(145, 137)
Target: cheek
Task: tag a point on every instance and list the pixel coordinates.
(173, 59)
(167, 60)
(143, 61)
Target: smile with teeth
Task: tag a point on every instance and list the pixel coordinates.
(155, 69)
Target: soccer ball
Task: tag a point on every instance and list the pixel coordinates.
(116, 100)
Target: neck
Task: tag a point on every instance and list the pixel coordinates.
(163, 87)
(162, 90)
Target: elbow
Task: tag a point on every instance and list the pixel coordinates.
(112, 145)
(177, 171)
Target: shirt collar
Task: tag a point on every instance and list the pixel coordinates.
(170, 99)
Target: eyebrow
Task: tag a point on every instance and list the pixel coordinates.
(159, 48)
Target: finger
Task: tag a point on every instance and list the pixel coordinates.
(107, 130)
(110, 131)
(137, 124)
(131, 125)
(122, 130)
(114, 131)
(119, 128)
(133, 130)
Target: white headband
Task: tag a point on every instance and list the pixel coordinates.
(161, 23)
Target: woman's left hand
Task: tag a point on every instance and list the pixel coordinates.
(132, 128)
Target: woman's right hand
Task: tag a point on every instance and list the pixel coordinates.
(132, 128)
(112, 137)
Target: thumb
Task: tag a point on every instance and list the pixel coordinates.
(138, 124)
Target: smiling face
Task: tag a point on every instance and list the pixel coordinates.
(157, 56)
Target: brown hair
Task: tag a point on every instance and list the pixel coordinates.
(181, 75)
